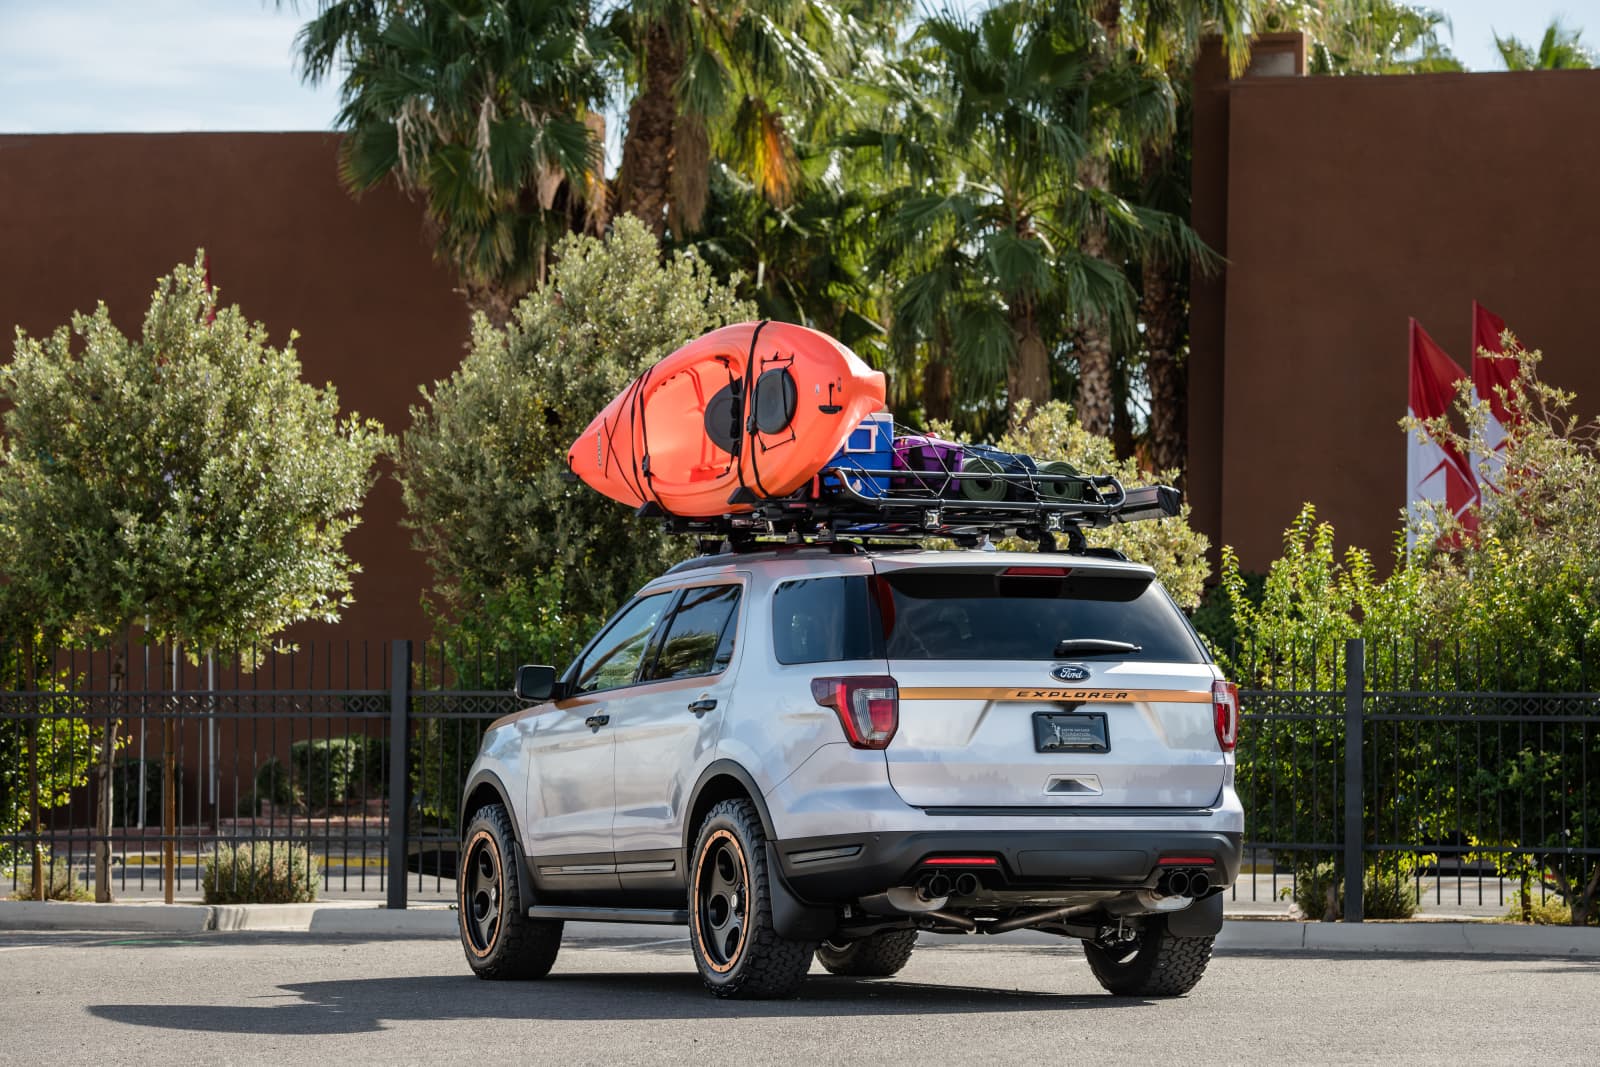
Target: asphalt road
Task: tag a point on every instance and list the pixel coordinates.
(294, 999)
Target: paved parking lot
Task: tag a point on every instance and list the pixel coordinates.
(290, 998)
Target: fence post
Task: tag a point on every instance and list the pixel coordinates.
(399, 769)
(1355, 677)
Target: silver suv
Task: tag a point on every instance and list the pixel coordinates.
(815, 751)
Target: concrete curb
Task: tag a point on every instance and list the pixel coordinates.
(368, 920)
(335, 920)
(125, 918)
(1430, 938)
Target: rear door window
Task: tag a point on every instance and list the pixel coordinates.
(614, 659)
(699, 639)
(987, 615)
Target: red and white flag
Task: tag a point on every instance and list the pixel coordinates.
(1436, 473)
(1492, 378)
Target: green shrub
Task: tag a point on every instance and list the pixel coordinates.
(333, 770)
(1551, 911)
(260, 872)
(125, 791)
(1388, 895)
(59, 883)
(321, 773)
(272, 785)
(1318, 892)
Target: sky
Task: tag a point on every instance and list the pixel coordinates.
(169, 65)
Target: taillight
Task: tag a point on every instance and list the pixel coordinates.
(1225, 705)
(868, 707)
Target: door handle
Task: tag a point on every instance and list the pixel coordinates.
(594, 722)
(703, 705)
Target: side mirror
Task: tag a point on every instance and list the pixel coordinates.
(535, 683)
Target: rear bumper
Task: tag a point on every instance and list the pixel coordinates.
(846, 866)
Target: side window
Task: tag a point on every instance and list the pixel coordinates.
(614, 660)
(824, 620)
(700, 637)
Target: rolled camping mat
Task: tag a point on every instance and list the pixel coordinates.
(982, 489)
(1060, 481)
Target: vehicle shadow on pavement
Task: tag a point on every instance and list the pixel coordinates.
(363, 1005)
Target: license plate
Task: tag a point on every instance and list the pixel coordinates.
(1055, 731)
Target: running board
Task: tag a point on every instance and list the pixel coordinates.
(664, 916)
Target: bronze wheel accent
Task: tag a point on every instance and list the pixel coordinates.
(483, 897)
(722, 901)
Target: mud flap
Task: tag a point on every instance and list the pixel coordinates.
(1203, 918)
(794, 918)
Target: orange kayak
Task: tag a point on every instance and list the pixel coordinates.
(756, 405)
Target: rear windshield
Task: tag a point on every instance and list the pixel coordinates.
(966, 616)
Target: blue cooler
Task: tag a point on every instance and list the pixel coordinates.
(870, 446)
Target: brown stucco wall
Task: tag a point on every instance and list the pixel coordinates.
(100, 217)
(1353, 203)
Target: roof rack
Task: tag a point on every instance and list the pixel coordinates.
(896, 505)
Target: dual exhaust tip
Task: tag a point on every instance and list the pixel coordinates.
(939, 886)
(1184, 883)
(1179, 882)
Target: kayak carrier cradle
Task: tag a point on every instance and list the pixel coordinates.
(911, 509)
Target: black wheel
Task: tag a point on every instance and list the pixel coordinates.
(499, 938)
(737, 949)
(1154, 964)
(874, 956)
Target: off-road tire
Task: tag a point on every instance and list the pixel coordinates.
(1155, 964)
(759, 962)
(875, 956)
(499, 939)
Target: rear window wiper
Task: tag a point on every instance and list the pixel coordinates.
(1095, 646)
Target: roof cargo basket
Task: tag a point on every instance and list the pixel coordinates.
(886, 505)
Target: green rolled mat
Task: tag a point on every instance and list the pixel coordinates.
(982, 489)
(1060, 481)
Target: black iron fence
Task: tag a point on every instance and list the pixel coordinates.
(145, 773)
(335, 767)
(1371, 775)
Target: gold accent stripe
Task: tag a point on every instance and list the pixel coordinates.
(1076, 696)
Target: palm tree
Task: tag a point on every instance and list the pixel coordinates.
(989, 136)
(484, 107)
(1559, 49)
(803, 263)
(1165, 35)
(729, 78)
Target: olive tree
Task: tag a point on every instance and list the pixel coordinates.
(483, 465)
(185, 479)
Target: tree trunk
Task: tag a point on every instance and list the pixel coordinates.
(103, 773)
(169, 785)
(1161, 311)
(1585, 898)
(1029, 376)
(645, 180)
(936, 389)
(494, 301)
(1095, 402)
(37, 870)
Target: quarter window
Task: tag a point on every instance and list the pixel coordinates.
(825, 620)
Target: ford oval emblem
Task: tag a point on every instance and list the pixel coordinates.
(1070, 672)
